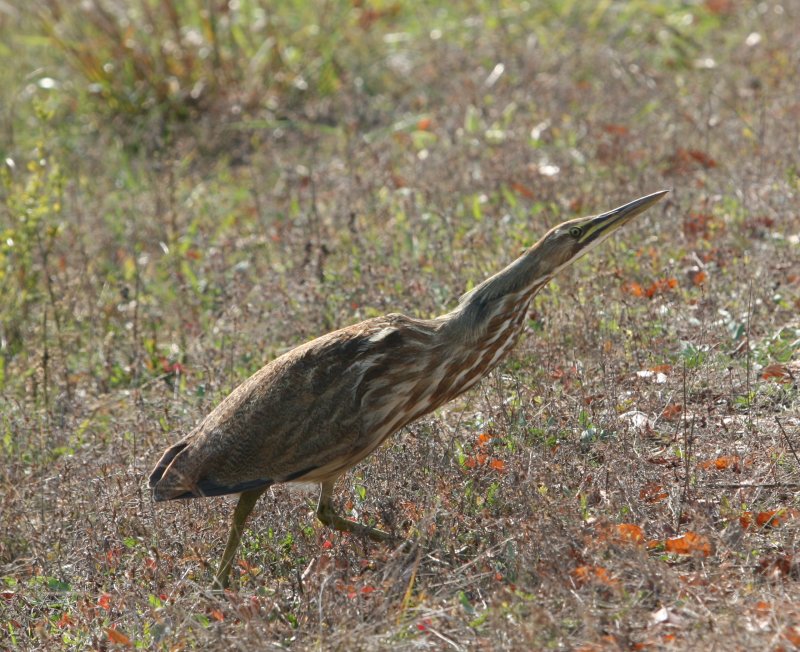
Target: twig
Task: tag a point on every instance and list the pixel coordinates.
(788, 441)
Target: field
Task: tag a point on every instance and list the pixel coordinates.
(190, 188)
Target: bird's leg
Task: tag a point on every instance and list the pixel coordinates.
(247, 500)
(329, 517)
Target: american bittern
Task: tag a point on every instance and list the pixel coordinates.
(319, 409)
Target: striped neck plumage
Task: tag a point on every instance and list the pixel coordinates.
(499, 296)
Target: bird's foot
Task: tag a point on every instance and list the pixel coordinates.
(332, 519)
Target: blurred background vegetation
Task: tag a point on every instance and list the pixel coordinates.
(190, 187)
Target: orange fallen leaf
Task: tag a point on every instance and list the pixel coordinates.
(615, 129)
(671, 411)
(776, 517)
(702, 158)
(484, 438)
(661, 285)
(763, 608)
(778, 372)
(792, 634)
(630, 533)
(633, 288)
(689, 543)
(661, 369)
(116, 636)
(770, 518)
(477, 460)
(424, 124)
(523, 190)
(586, 574)
(732, 462)
(498, 465)
(698, 278)
(653, 493)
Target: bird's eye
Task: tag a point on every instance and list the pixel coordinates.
(575, 232)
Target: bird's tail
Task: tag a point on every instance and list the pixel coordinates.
(175, 476)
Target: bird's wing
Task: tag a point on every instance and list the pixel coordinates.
(302, 416)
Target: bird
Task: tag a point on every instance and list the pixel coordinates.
(314, 412)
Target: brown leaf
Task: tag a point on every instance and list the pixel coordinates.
(615, 129)
(660, 286)
(523, 190)
(633, 288)
(592, 574)
(732, 462)
(778, 566)
(776, 517)
(697, 225)
(672, 411)
(497, 465)
(778, 372)
(653, 493)
(792, 634)
(689, 543)
(116, 636)
(630, 533)
(702, 158)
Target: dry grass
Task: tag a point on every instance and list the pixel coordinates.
(657, 386)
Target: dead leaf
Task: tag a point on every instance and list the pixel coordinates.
(615, 129)
(697, 225)
(523, 190)
(776, 517)
(689, 543)
(116, 636)
(592, 574)
(497, 465)
(660, 286)
(778, 372)
(672, 411)
(792, 634)
(732, 462)
(630, 533)
(653, 493)
(633, 288)
(778, 566)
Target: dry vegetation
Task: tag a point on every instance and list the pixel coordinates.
(187, 193)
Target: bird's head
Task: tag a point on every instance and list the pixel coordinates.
(567, 242)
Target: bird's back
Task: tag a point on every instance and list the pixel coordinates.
(306, 415)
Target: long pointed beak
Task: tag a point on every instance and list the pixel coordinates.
(603, 225)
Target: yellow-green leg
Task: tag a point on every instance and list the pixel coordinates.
(329, 517)
(247, 500)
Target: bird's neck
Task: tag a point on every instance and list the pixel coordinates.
(499, 299)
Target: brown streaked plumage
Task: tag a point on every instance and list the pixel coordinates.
(319, 409)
